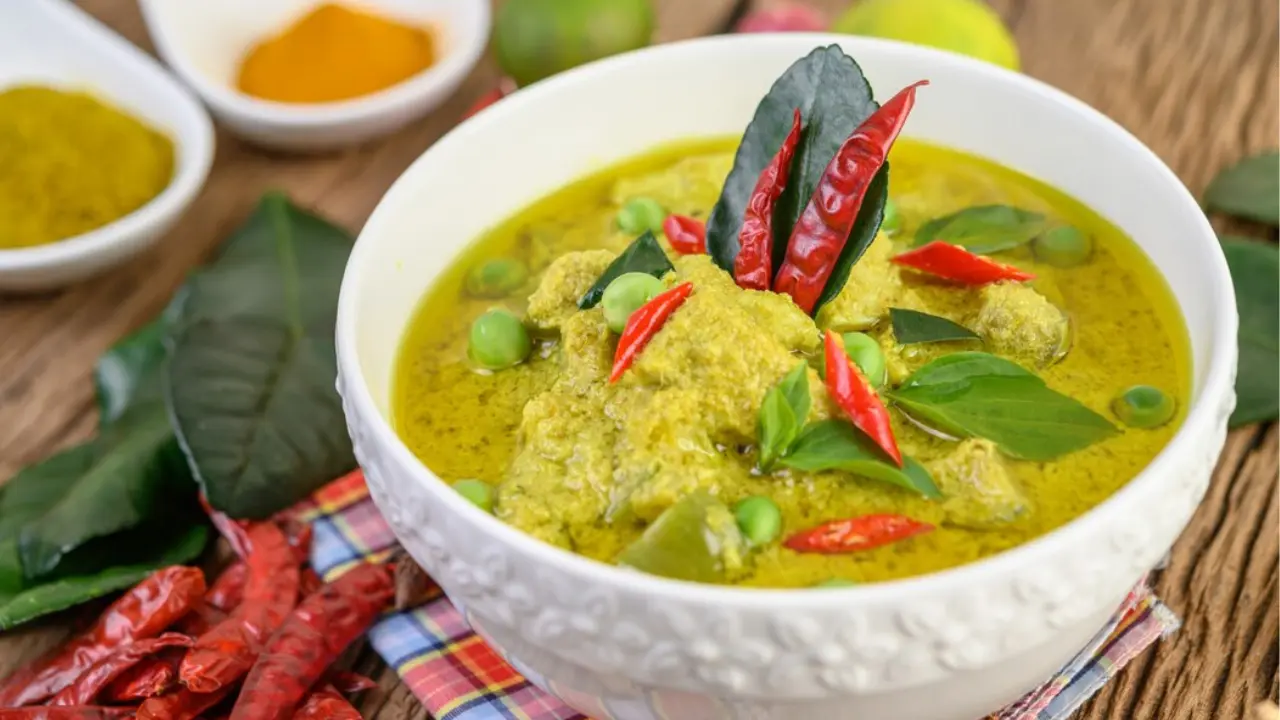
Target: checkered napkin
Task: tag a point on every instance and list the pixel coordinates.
(458, 677)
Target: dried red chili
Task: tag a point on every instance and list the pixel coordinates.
(143, 611)
(325, 703)
(181, 705)
(309, 582)
(86, 688)
(643, 324)
(321, 627)
(856, 397)
(688, 236)
(824, 226)
(83, 712)
(200, 620)
(225, 653)
(753, 268)
(228, 588)
(858, 533)
(151, 677)
(235, 531)
(954, 263)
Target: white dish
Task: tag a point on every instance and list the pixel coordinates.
(204, 42)
(51, 42)
(952, 645)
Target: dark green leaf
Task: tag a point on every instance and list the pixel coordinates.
(125, 476)
(643, 255)
(250, 379)
(1254, 268)
(837, 445)
(981, 395)
(865, 226)
(834, 98)
(984, 228)
(1249, 189)
(911, 327)
(130, 371)
(33, 602)
(782, 414)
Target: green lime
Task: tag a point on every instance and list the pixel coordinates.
(968, 27)
(535, 39)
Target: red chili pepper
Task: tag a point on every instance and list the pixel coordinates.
(309, 582)
(954, 263)
(181, 705)
(753, 268)
(687, 235)
(643, 324)
(856, 397)
(83, 712)
(823, 228)
(86, 688)
(225, 653)
(325, 703)
(228, 588)
(349, 683)
(321, 627)
(200, 620)
(858, 533)
(235, 531)
(143, 611)
(148, 678)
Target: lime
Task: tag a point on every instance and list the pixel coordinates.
(968, 27)
(535, 39)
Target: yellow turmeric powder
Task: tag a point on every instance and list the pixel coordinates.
(70, 163)
(335, 53)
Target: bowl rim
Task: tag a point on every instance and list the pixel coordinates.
(193, 158)
(1199, 420)
(226, 99)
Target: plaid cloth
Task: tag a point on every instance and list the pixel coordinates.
(458, 677)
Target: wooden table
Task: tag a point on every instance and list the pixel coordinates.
(1194, 79)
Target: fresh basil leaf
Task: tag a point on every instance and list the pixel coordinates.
(250, 378)
(129, 474)
(782, 414)
(833, 98)
(16, 608)
(1249, 189)
(983, 229)
(1254, 268)
(865, 227)
(980, 395)
(837, 445)
(130, 371)
(643, 255)
(911, 327)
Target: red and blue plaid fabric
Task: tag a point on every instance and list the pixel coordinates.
(458, 677)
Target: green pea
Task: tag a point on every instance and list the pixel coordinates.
(498, 340)
(865, 352)
(836, 583)
(1144, 406)
(1063, 246)
(496, 278)
(640, 214)
(625, 295)
(892, 220)
(477, 492)
(759, 519)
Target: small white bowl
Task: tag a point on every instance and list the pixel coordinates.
(205, 42)
(54, 43)
(951, 645)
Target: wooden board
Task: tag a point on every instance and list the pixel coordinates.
(1194, 79)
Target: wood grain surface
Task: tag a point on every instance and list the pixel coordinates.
(1194, 79)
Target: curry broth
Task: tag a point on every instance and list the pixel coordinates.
(1126, 330)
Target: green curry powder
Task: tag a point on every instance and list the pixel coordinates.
(72, 164)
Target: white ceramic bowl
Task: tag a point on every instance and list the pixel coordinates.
(205, 42)
(54, 43)
(615, 644)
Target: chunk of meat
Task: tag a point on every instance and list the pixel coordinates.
(1017, 321)
(979, 491)
(565, 282)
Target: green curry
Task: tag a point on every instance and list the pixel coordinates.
(766, 365)
(587, 467)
